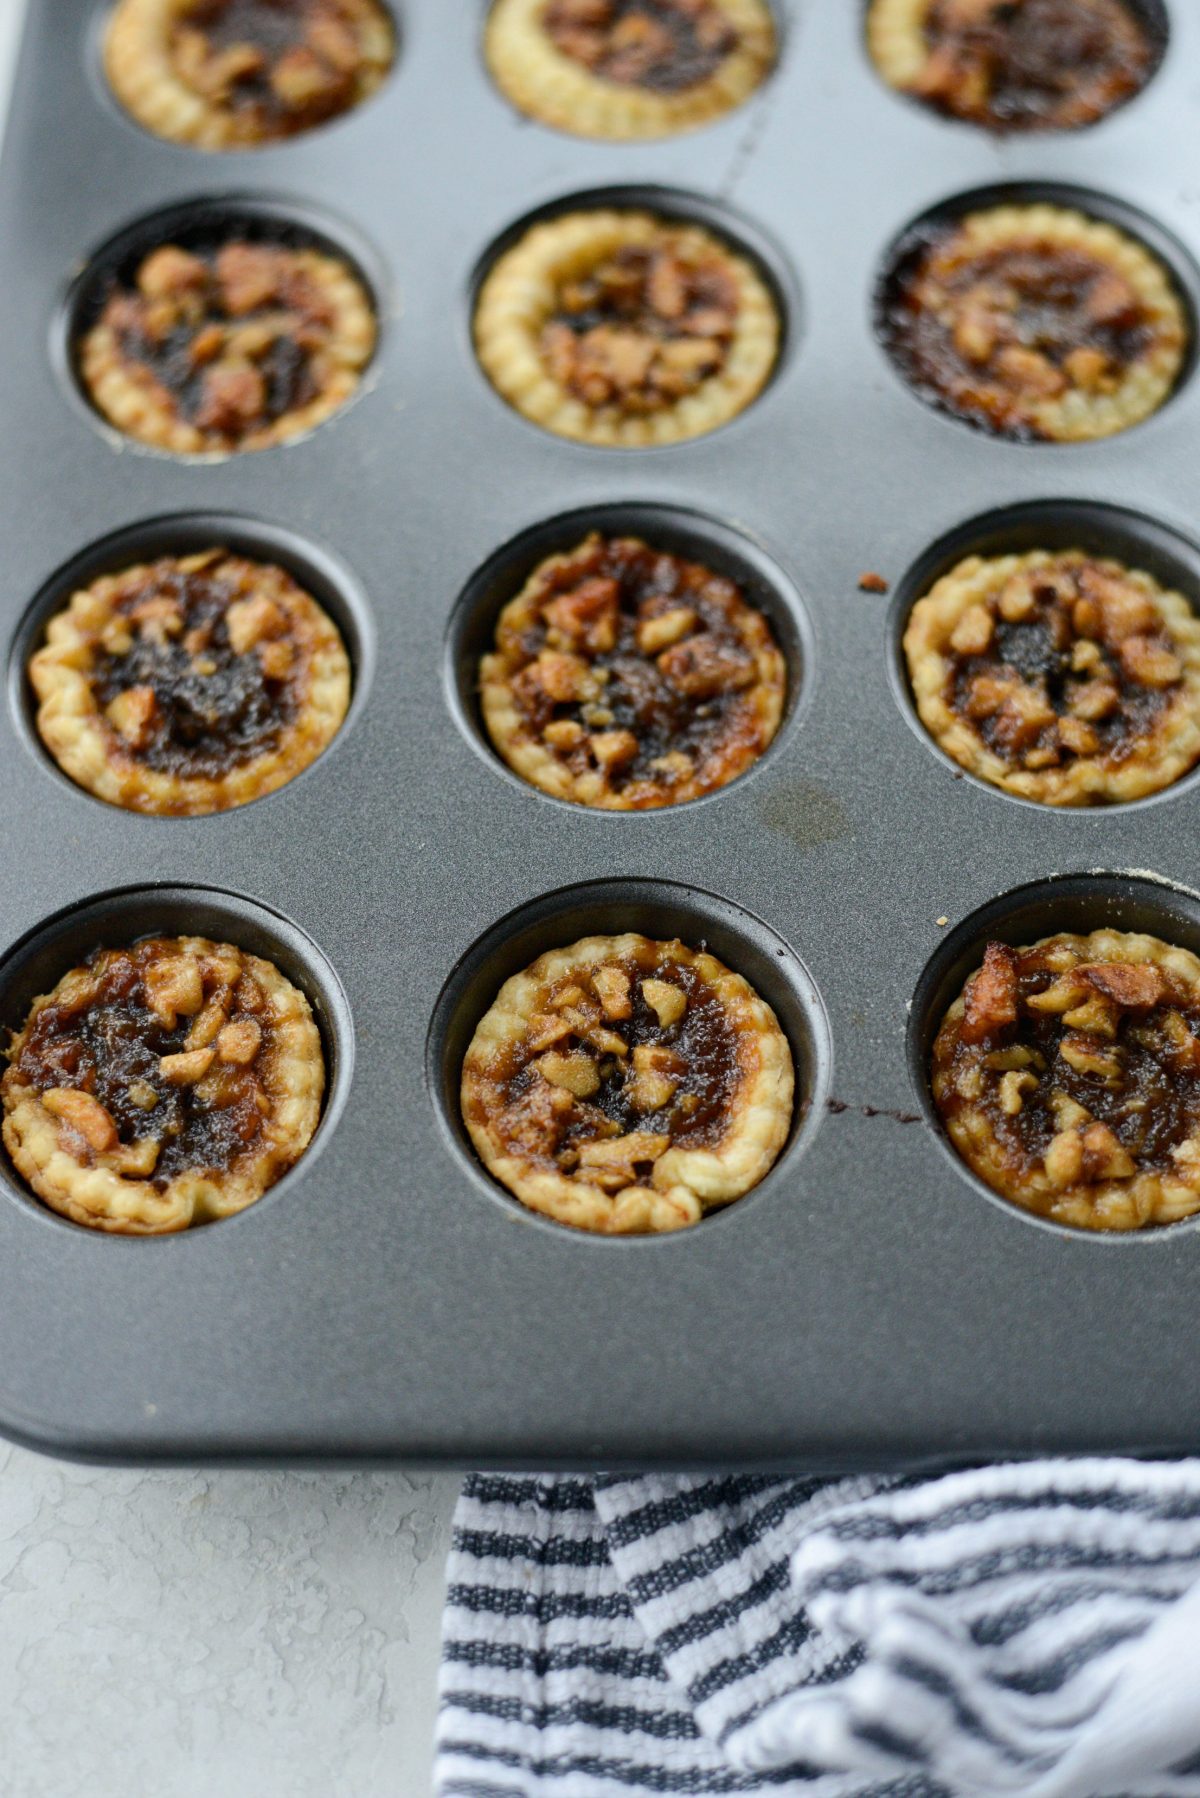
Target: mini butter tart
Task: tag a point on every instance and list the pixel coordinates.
(626, 69)
(163, 1085)
(190, 684)
(627, 1086)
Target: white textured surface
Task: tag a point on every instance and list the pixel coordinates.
(216, 1635)
(272, 1635)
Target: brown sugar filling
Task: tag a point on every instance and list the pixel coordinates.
(290, 64)
(1068, 660)
(203, 677)
(638, 1049)
(1118, 1041)
(229, 334)
(640, 663)
(988, 334)
(642, 329)
(148, 1059)
(1021, 65)
(665, 46)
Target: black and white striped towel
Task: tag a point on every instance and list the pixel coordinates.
(1030, 1628)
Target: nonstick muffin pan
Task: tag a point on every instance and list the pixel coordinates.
(869, 1303)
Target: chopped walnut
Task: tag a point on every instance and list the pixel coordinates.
(83, 1114)
(187, 1067)
(174, 988)
(991, 996)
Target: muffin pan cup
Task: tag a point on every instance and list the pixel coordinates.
(868, 1305)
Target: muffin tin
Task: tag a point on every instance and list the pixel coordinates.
(869, 1303)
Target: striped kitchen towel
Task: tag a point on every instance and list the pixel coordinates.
(1030, 1628)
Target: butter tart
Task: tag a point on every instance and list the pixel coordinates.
(1058, 676)
(1035, 322)
(1015, 65)
(626, 678)
(624, 329)
(626, 1086)
(162, 1085)
(1067, 1074)
(237, 346)
(231, 74)
(190, 684)
(624, 69)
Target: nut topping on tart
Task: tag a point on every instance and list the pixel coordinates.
(1068, 1077)
(162, 1085)
(233, 347)
(626, 678)
(626, 1086)
(628, 68)
(1058, 676)
(229, 74)
(1015, 65)
(190, 684)
(622, 328)
(663, 45)
(1033, 322)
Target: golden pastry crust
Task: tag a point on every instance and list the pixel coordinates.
(1036, 322)
(239, 347)
(161, 1086)
(1014, 65)
(232, 74)
(625, 1086)
(1067, 1074)
(688, 337)
(625, 678)
(190, 684)
(1058, 676)
(614, 70)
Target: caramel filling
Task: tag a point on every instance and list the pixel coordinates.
(664, 46)
(159, 1061)
(1021, 65)
(1092, 1073)
(991, 335)
(1065, 661)
(618, 1064)
(644, 328)
(289, 64)
(199, 670)
(230, 335)
(642, 666)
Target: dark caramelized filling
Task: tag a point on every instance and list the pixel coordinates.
(1024, 65)
(289, 64)
(640, 663)
(1126, 1050)
(665, 46)
(110, 1047)
(645, 327)
(183, 697)
(229, 333)
(990, 335)
(1067, 660)
(599, 1064)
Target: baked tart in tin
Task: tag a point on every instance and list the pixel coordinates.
(626, 1086)
(162, 1085)
(624, 329)
(627, 678)
(190, 684)
(238, 346)
(232, 74)
(1015, 65)
(625, 69)
(1036, 323)
(1067, 1074)
(1058, 676)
